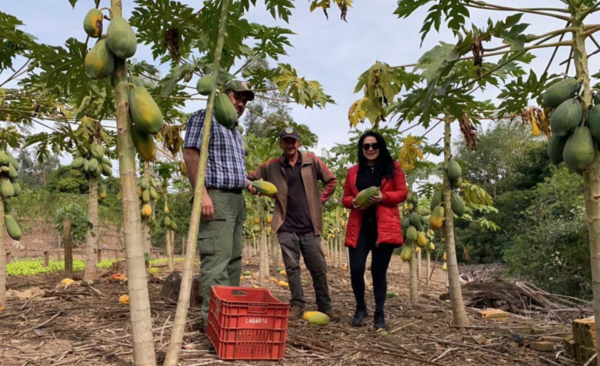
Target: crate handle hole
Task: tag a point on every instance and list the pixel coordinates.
(257, 309)
(239, 293)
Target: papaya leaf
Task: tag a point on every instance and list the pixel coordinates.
(410, 152)
(183, 72)
(304, 92)
(281, 8)
(73, 2)
(357, 111)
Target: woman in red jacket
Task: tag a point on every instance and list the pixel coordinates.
(377, 228)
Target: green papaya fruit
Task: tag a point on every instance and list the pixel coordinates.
(3, 158)
(137, 81)
(173, 225)
(153, 193)
(225, 112)
(454, 171)
(566, 117)
(152, 182)
(145, 113)
(99, 61)
(405, 222)
(579, 149)
(7, 189)
(458, 205)
(106, 161)
(86, 166)
(77, 163)
(12, 161)
(144, 183)
(167, 221)
(593, 121)
(96, 173)
(559, 92)
(411, 234)
(94, 165)
(146, 196)
(205, 84)
(97, 150)
(17, 188)
(415, 220)
(120, 38)
(410, 197)
(12, 227)
(144, 144)
(106, 170)
(92, 23)
(436, 200)
(12, 172)
(555, 148)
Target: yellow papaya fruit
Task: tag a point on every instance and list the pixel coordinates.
(256, 219)
(99, 61)
(166, 209)
(13, 229)
(444, 267)
(309, 314)
(139, 192)
(120, 38)
(147, 210)
(145, 113)
(269, 218)
(421, 239)
(256, 228)
(405, 253)
(173, 225)
(225, 112)
(92, 23)
(205, 84)
(102, 191)
(436, 221)
(144, 144)
(431, 247)
(265, 188)
(167, 221)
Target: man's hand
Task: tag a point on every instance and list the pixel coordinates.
(208, 211)
(251, 188)
(376, 199)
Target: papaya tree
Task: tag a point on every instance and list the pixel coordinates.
(573, 136)
(165, 172)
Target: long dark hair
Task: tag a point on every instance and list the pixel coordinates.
(384, 166)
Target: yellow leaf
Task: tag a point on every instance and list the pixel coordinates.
(356, 113)
(410, 152)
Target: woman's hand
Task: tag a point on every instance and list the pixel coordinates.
(376, 199)
(355, 206)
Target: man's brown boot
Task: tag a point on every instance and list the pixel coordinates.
(333, 315)
(296, 312)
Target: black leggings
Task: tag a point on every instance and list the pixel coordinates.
(381, 256)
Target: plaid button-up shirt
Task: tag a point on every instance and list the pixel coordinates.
(226, 160)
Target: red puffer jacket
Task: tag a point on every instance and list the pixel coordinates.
(389, 228)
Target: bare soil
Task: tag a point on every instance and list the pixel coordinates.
(83, 325)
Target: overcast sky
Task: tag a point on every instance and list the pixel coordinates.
(331, 51)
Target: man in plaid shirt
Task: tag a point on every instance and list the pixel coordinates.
(223, 207)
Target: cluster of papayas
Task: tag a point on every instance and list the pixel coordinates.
(92, 162)
(148, 195)
(414, 227)
(120, 41)
(168, 221)
(573, 134)
(9, 187)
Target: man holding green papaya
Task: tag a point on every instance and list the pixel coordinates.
(298, 217)
(223, 207)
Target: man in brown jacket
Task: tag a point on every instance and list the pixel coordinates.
(298, 217)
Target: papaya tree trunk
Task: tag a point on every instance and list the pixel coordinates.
(414, 293)
(459, 315)
(428, 267)
(2, 256)
(170, 251)
(419, 255)
(139, 303)
(146, 221)
(91, 239)
(183, 302)
(68, 244)
(591, 177)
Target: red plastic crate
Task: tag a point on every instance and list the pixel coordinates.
(247, 323)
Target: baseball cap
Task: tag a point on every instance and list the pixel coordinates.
(240, 87)
(289, 132)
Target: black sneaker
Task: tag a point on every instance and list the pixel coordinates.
(359, 316)
(380, 320)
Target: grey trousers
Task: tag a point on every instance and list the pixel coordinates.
(309, 245)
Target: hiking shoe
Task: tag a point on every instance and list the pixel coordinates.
(296, 312)
(333, 315)
(379, 320)
(359, 316)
